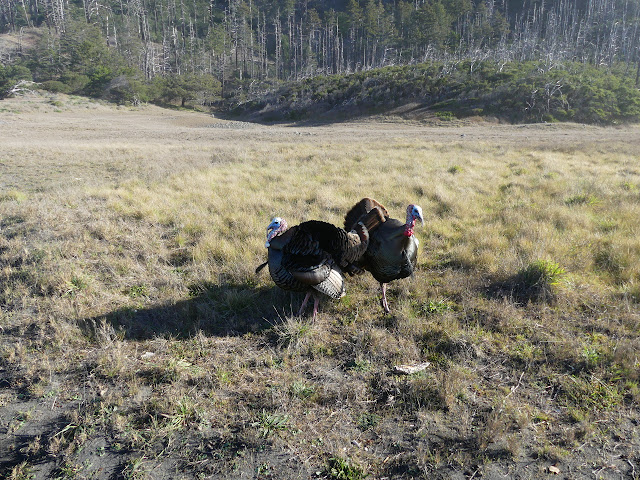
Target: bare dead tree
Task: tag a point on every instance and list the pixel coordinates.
(278, 41)
(23, 87)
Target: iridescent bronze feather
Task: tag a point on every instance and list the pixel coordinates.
(392, 251)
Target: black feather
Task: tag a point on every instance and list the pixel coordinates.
(390, 255)
(311, 255)
(260, 267)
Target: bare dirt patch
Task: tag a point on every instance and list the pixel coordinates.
(18, 43)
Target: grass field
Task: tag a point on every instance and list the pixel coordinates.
(136, 341)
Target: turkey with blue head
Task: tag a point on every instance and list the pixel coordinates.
(312, 256)
(392, 252)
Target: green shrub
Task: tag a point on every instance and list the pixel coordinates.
(56, 86)
(76, 82)
(126, 89)
(541, 274)
(516, 91)
(341, 469)
(445, 116)
(10, 76)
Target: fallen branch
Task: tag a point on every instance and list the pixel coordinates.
(22, 87)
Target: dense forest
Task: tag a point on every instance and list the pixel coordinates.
(198, 50)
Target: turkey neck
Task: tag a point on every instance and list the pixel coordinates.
(408, 228)
(281, 240)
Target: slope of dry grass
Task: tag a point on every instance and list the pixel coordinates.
(137, 342)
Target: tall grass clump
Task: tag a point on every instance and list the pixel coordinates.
(541, 275)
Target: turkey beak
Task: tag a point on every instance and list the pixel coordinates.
(272, 226)
(419, 217)
(269, 229)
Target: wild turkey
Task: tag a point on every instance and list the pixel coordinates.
(393, 249)
(311, 256)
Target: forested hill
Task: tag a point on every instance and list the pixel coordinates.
(242, 51)
(442, 91)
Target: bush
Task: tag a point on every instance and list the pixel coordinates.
(127, 90)
(76, 82)
(69, 82)
(10, 76)
(186, 88)
(79, 58)
(56, 86)
(99, 78)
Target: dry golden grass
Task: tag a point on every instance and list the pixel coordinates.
(138, 338)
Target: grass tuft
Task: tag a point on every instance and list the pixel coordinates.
(582, 199)
(341, 469)
(22, 471)
(13, 196)
(538, 281)
(542, 274)
(269, 424)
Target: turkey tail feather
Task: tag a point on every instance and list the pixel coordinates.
(373, 218)
(260, 267)
(333, 286)
(361, 208)
(312, 276)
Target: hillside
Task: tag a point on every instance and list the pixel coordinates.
(512, 92)
(137, 341)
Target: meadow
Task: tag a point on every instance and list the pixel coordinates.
(137, 341)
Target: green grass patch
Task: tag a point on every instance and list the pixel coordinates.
(341, 469)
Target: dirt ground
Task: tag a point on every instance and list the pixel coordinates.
(73, 143)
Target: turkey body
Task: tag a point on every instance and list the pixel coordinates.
(308, 256)
(392, 252)
(311, 257)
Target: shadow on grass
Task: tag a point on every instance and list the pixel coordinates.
(219, 310)
(519, 291)
(408, 464)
